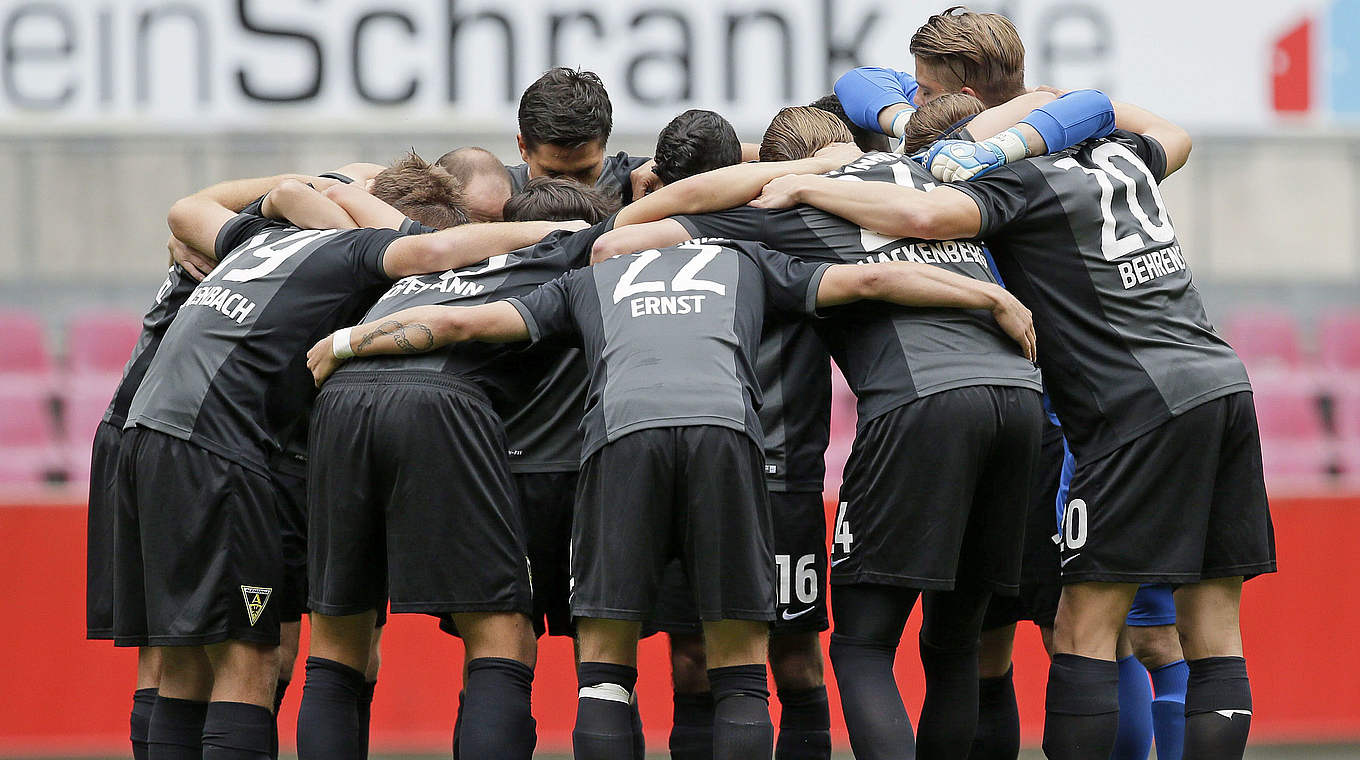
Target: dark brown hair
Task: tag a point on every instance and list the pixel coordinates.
(799, 131)
(558, 199)
(565, 107)
(932, 120)
(982, 51)
(428, 194)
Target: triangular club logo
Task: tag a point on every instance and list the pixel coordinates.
(256, 598)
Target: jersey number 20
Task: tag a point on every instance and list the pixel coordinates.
(1159, 231)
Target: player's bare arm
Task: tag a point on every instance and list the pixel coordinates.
(729, 186)
(360, 171)
(939, 214)
(417, 330)
(306, 207)
(1000, 118)
(364, 208)
(638, 237)
(1174, 140)
(196, 219)
(196, 264)
(465, 245)
(913, 284)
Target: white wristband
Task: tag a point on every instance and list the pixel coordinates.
(340, 344)
(898, 126)
(1012, 145)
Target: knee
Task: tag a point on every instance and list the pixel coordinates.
(736, 642)
(689, 665)
(796, 661)
(509, 635)
(1155, 646)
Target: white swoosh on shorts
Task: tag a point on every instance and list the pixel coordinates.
(785, 614)
(1069, 559)
(835, 562)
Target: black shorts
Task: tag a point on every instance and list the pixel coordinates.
(1039, 584)
(547, 499)
(939, 489)
(198, 550)
(1183, 502)
(692, 493)
(99, 529)
(800, 572)
(410, 498)
(291, 489)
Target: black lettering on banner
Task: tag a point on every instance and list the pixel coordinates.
(104, 32)
(310, 90)
(681, 59)
(16, 54)
(557, 21)
(356, 58)
(202, 45)
(1073, 34)
(457, 24)
(843, 53)
(737, 20)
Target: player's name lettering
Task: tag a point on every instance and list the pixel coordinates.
(446, 283)
(865, 163)
(1150, 266)
(943, 252)
(233, 306)
(647, 305)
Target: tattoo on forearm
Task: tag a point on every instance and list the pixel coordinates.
(419, 338)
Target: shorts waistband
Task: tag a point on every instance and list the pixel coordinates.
(408, 377)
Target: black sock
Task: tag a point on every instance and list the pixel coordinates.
(458, 724)
(365, 711)
(143, 702)
(1082, 708)
(328, 719)
(741, 712)
(496, 717)
(176, 729)
(998, 730)
(604, 722)
(639, 738)
(804, 725)
(1217, 708)
(237, 731)
(949, 715)
(692, 729)
(870, 700)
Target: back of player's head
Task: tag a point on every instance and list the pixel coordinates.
(486, 183)
(864, 139)
(565, 107)
(799, 131)
(694, 142)
(932, 120)
(428, 194)
(981, 51)
(554, 199)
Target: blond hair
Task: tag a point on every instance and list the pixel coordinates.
(933, 119)
(981, 51)
(799, 131)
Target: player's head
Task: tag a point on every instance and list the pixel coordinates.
(799, 131)
(866, 141)
(486, 184)
(962, 51)
(932, 120)
(554, 199)
(428, 194)
(694, 142)
(564, 123)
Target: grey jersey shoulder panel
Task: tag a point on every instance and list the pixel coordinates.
(171, 295)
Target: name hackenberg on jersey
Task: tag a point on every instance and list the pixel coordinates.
(169, 297)
(539, 392)
(1083, 238)
(890, 355)
(230, 375)
(670, 335)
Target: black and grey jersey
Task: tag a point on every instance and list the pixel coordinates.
(539, 391)
(1083, 238)
(670, 336)
(890, 355)
(171, 295)
(616, 178)
(230, 375)
(794, 372)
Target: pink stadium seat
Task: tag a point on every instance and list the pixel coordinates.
(25, 362)
(1287, 412)
(1339, 340)
(1346, 413)
(27, 440)
(1297, 460)
(100, 341)
(1265, 338)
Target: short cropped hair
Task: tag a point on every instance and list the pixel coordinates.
(469, 163)
(981, 50)
(799, 131)
(694, 142)
(566, 107)
(865, 139)
(428, 194)
(558, 199)
(932, 120)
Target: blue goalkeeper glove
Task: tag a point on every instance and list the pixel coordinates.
(961, 160)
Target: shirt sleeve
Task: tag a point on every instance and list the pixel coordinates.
(865, 91)
(741, 223)
(242, 227)
(364, 251)
(412, 227)
(999, 195)
(1146, 148)
(790, 284)
(547, 310)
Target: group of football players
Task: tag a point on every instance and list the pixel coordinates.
(590, 396)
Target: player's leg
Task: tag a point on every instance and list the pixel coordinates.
(175, 730)
(998, 728)
(1156, 643)
(805, 716)
(239, 724)
(1082, 703)
(328, 718)
(365, 705)
(692, 725)
(500, 652)
(737, 652)
(606, 679)
(144, 699)
(950, 629)
(1134, 739)
(869, 622)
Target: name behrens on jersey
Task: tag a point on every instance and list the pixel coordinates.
(1150, 266)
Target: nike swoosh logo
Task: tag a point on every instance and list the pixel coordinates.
(785, 614)
(1230, 713)
(835, 562)
(1063, 563)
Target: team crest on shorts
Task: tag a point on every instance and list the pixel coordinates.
(256, 598)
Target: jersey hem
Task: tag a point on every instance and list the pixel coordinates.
(667, 422)
(1100, 452)
(1002, 382)
(260, 467)
(563, 465)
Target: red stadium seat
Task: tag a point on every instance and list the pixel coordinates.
(1346, 413)
(25, 362)
(1287, 411)
(100, 341)
(1296, 460)
(1265, 338)
(28, 452)
(85, 399)
(1339, 340)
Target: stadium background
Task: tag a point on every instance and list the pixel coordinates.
(111, 109)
